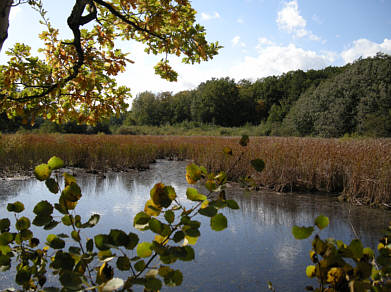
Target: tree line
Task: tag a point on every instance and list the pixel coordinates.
(332, 102)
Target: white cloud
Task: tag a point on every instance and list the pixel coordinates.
(275, 60)
(236, 41)
(240, 20)
(290, 20)
(206, 16)
(14, 12)
(365, 48)
(140, 76)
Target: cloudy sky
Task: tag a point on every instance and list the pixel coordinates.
(260, 38)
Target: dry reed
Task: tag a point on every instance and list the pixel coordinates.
(359, 169)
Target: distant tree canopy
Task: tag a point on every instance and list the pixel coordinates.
(75, 79)
(332, 102)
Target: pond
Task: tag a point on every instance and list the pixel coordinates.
(257, 246)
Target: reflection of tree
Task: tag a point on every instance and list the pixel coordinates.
(288, 209)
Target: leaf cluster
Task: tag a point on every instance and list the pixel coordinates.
(346, 267)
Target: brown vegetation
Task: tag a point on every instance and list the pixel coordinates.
(360, 169)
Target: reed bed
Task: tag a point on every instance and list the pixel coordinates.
(359, 169)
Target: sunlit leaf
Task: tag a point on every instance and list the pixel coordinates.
(55, 163)
(151, 208)
(302, 232)
(218, 222)
(310, 271)
(193, 173)
(190, 240)
(227, 150)
(322, 221)
(193, 195)
(113, 284)
(42, 172)
(356, 248)
(160, 195)
(144, 249)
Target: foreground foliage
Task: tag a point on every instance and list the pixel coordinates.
(346, 267)
(91, 263)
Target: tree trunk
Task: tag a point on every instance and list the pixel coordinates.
(5, 8)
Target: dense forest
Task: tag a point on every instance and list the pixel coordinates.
(354, 99)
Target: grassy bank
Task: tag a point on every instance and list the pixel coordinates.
(358, 168)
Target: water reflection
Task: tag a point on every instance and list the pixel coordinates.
(256, 247)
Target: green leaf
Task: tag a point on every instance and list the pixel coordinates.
(155, 226)
(232, 204)
(123, 263)
(244, 140)
(169, 216)
(71, 280)
(153, 284)
(94, 219)
(55, 163)
(178, 236)
(302, 232)
(133, 240)
(258, 164)
(139, 266)
(322, 221)
(113, 284)
(4, 225)
(90, 245)
(174, 278)
(75, 235)
(193, 173)
(63, 261)
(193, 195)
(67, 220)
(144, 249)
(51, 225)
(218, 222)
(141, 218)
(23, 223)
(43, 208)
(42, 220)
(23, 276)
(6, 238)
(356, 248)
(42, 172)
(55, 242)
(102, 241)
(52, 185)
(209, 211)
(16, 207)
(118, 237)
(161, 195)
(68, 178)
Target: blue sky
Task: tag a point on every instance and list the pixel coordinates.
(260, 38)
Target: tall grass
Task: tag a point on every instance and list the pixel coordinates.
(360, 169)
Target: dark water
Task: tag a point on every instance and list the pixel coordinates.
(256, 247)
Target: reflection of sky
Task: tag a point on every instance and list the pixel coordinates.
(256, 247)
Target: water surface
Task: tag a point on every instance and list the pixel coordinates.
(256, 247)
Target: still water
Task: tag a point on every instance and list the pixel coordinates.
(257, 246)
